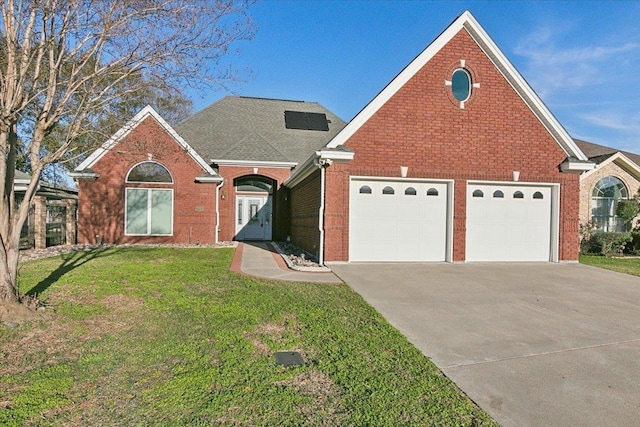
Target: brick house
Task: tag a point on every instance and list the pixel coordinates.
(456, 159)
(615, 177)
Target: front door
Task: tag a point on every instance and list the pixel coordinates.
(253, 217)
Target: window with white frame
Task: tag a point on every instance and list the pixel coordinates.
(149, 211)
(604, 203)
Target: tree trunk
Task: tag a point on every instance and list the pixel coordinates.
(8, 273)
(13, 217)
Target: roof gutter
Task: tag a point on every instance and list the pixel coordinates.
(205, 179)
(573, 165)
(20, 184)
(311, 164)
(89, 176)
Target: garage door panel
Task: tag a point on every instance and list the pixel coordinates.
(404, 226)
(508, 228)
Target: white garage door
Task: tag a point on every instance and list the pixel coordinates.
(508, 223)
(397, 221)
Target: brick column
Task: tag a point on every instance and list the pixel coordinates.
(40, 222)
(70, 223)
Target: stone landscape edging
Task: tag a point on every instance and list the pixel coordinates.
(292, 266)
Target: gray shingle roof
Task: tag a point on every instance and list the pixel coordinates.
(21, 175)
(599, 153)
(253, 129)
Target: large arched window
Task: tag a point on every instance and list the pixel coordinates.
(148, 211)
(604, 202)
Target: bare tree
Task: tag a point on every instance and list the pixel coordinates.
(66, 65)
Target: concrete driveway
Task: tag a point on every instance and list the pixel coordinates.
(532, 344)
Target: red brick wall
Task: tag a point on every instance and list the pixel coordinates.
(282, 214)
(305, 207)
(102, 202)
(228, 205)
(420, 127)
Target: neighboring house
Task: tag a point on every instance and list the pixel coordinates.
(456, 159)
(52, 216)
(616, 177)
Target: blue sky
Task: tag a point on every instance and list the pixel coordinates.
(581, 57)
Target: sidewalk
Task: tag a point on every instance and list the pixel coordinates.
(259, 259)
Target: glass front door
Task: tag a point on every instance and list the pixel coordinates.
(253, 217)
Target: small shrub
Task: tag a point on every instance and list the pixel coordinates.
(605, 243)
(586, 233)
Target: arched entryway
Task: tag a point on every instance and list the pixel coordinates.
(254, 207)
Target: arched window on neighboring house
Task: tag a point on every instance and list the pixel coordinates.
(148, 210)
(604, 202)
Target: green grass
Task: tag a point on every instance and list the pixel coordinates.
(171, 337)
(621, 265)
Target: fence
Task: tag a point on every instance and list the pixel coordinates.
(27, 234)
(56, 225)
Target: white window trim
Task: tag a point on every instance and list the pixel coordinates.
(149, 201)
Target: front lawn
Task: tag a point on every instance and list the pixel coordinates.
(142, 336)
(622, 264)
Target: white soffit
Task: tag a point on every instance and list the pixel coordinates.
(132, 124)
(467, 22)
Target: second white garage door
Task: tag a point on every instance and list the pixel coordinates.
(508, 222)
(397, 220)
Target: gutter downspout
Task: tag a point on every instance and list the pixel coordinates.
(322, 164)
(218, 187)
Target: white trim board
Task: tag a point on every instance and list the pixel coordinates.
(147, 111)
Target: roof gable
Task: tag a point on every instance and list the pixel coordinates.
(619, 159)
(602, 156)
(467, 23)
(146, 112)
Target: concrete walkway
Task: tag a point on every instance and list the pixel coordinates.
(259, 259)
